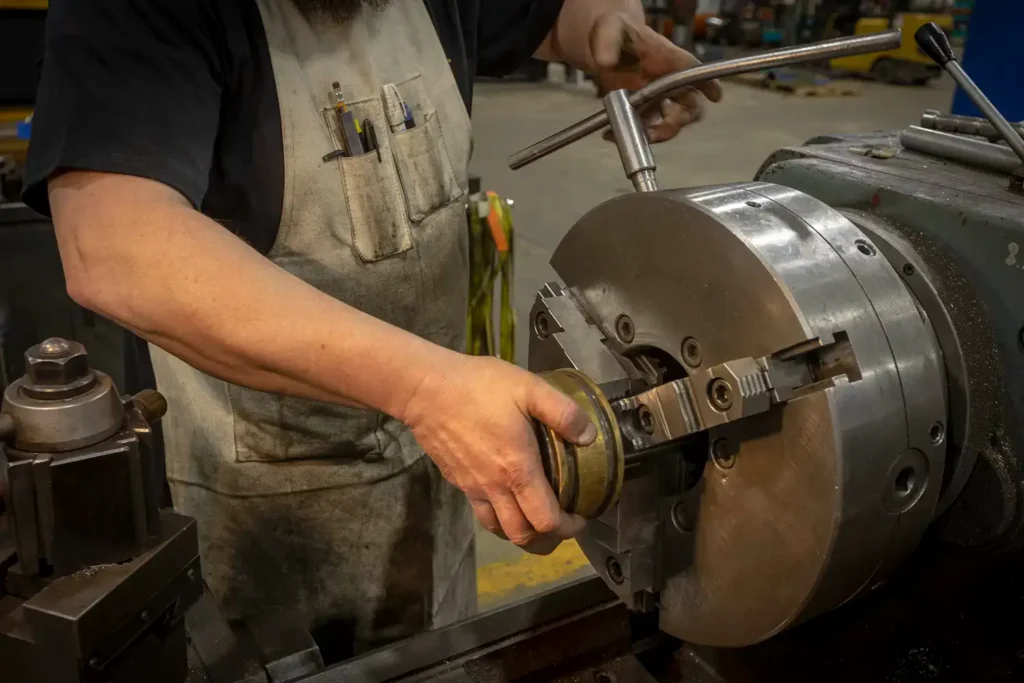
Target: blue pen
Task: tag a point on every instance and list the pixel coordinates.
(410, 121)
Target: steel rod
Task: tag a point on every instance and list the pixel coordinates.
(976, 153)
(673, 82)
(986, 107)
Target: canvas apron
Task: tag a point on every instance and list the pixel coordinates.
(333, 510)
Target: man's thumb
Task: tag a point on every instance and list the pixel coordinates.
(562, 414)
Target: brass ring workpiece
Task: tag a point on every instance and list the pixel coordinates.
(587, 480)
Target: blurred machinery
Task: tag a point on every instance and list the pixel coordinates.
(906, 64)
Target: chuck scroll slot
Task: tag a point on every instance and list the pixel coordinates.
(587, 480)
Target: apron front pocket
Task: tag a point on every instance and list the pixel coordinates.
(379, 226)
(373, 194)
(424, 168)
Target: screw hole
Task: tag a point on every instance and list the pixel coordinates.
(541, 325)
(908, 269)
(937, 433)
(645, 419)
(605, 677)
(906, 480)
(692, 353)
(680, 520)
(754, 205)
(723, 453)
(865, 248)
(624, 328)
(614, 570)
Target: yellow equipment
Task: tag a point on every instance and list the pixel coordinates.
(905, 64)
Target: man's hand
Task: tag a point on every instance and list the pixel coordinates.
(472, 417)
(610, 40)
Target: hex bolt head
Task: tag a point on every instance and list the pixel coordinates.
(57, 368)
(720, 394)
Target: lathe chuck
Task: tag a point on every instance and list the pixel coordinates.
(741, 521)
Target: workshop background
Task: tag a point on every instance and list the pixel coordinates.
(758, 115)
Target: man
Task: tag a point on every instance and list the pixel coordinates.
(303, 297)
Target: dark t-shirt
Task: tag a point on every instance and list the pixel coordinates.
(182, 91)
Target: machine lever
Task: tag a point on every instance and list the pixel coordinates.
(668, 84)
(932, 40)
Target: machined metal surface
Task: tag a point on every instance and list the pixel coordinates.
(808, 503)
(630, 138)
(674, 82)
(977, 153)
(967, 227)
(47, 425)
(921, 280)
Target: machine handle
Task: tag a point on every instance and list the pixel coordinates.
(933, 41)
(674, 82)
(935, 44)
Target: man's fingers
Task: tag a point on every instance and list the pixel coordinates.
(711, 89)
(543, 545)
(513, 523)
(606, 40)
(561, 413)
(671, 116)
(485, 514)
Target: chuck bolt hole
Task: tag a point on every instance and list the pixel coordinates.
(937, 433)
(692, 353)
(541, 325)
(624, 328)
(754, 205)
(906, 479)
(908, 269)
(605, 677)
(645, 419)
(865, 248)
(614, 570)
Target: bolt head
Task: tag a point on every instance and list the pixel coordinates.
(54, 346)
(56, 363)
(720, 394)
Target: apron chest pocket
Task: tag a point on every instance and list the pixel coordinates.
(377, 221)
(379, 226)
(428, 180)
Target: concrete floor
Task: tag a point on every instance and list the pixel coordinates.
(736, 136)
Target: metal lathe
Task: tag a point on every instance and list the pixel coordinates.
(810, 459)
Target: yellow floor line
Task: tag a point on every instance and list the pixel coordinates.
(494, 581)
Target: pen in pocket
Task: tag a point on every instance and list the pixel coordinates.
(394, 107)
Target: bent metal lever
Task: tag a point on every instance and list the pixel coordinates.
(633, 149)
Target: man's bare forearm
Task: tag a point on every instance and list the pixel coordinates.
(135, 251)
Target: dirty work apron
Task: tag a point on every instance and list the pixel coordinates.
(333, 510)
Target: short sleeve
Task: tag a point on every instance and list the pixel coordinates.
(510, 31)
(127, 86)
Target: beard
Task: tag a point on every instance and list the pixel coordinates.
(339, 10)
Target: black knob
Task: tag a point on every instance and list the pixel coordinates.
(935, 44)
